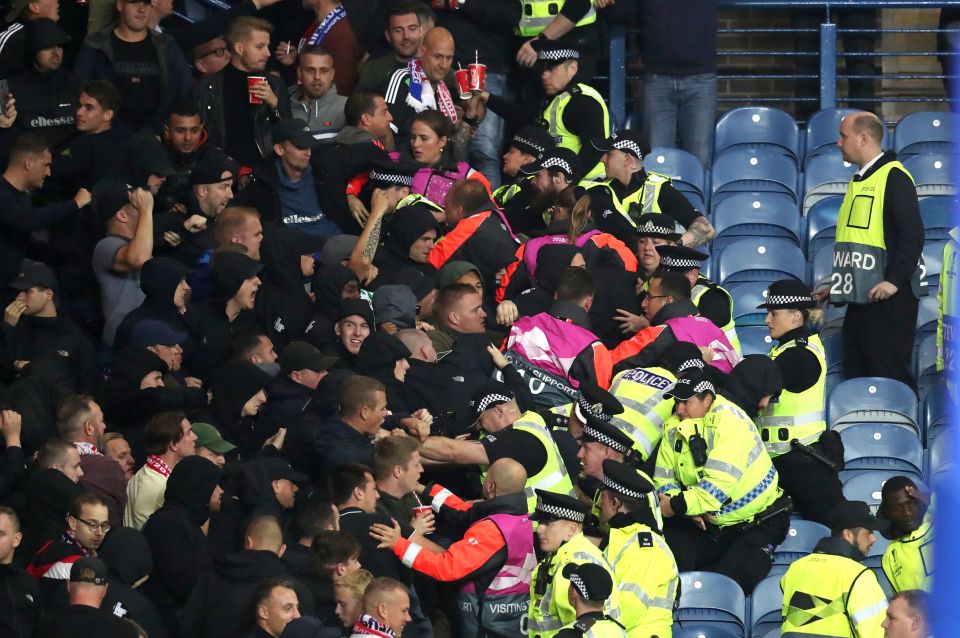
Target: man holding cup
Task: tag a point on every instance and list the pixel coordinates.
(240, 103)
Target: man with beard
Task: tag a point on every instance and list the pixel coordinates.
(80, 421)
(184, 140)
(46, 92)
(908, 560)
(146, 66)
(316, 100)
(549, 173)
(527, 145)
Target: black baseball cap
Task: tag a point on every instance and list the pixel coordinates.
(109, 195)
(294, 131)
(46, 34)
(35, 275)
(853, 514)
(277, 469)
(152, 332)
(300, 355)
(590, 580)
(210, 168)
(88, 570)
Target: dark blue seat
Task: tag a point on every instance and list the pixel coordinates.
(925, 132)
(752, 169)
(939, 215)
(757, 127)
(825, 175)
(937, 409)
(927, 316)
(833, 348)
(747, 295)
(881, 446)
(801, 538)
(932, 173)
(821, 266)
(764, 259)
(823, 131)
(766, 606)
(754, 340)
(872, 400)
(932, 264)
(732, 225)
(822, 224)
(712, 600)
(680, 166)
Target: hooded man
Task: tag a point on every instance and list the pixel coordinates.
(238, 394)
(384, 357)
(163, 281)
(411, 235)
(292, 392)
(177, 538)
(126, 554)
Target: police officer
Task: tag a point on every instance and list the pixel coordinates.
(630, 191)
(718, 489)
(590, 586)
(713, 300)
(507, 432)
(792, 424)
(576, 112)
(529, 143)
(561, 540)
(829, 592)
(642, 562)
(908, 560)
(876, 265)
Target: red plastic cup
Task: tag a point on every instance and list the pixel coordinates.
(478, 76)
(421, 510)
(252, 81)
(463, 83)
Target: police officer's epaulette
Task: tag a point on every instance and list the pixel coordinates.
(802, 342)
(645, 539)
(574, 90)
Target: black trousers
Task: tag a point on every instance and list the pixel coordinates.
(743, 555)
(814, 488)
(878, 338)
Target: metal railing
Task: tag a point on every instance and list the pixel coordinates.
(828, 54)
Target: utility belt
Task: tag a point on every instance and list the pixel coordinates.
(768, 517)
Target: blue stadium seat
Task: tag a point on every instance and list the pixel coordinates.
(925, 356)
(732, 225)
(680, 166)
(712, 600)
(747, 295)
(773, 633)
(867, 485)
(754, 205)
(824, 176)
(757, 127)
(833, 348)
(764, 259)
(802, 537)
(932, 264)
(697, 630)
(754, 340)
(881, 446)
(746, 170)
(823, 130)
(821, 266)
(939, 454)
(927, 316)
(925, 132)
(939, 215)
(932, 173)
(822, 224)
(766, 606)
(872, 400)
(937, 407)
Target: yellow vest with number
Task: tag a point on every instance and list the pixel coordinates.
(535, 15)
(729, 330)
(908, 561)
(553, 116)
(647, 578)
(550, 609)
(553, 477)
(860, 251)
(796, 415)
(827, 596)
(641, 391)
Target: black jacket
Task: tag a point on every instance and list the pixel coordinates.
(20, 604)
(158, 287)
(286, 400)
(221, 605)
(213, 334)
(381, 562)
(47, 104)
(55, 338)
(18, 218)
(317, 447)
(81, 620)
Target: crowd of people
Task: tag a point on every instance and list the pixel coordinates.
(310, 311)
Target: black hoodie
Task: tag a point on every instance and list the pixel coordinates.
(234, 385)
(47, 499)
(327, 286)
(126, 554)
(404, 227)
(283, 307)
(159, 279)
(378, 357)
(552, 260)
(752, 379)
(179, 547)
(222, 606)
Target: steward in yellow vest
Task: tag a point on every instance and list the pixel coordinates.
(628, 191)
(713, 301)
(718, 489)
(877, 257)
(507, 433)
(908, 560)
(561, 541)
(792, 424)
(590, 586)
(829, 592)
(642, 562)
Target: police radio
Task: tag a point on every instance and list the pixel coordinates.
(698, 448)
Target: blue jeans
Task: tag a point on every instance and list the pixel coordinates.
(681, 108)
(484, 149)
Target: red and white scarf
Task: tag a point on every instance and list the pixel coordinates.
(421, 95)
(158, 465)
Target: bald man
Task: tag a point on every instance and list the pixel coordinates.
(419, 86)
(387, 603)
(494, 559)
(877, 268)
(220, 603)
